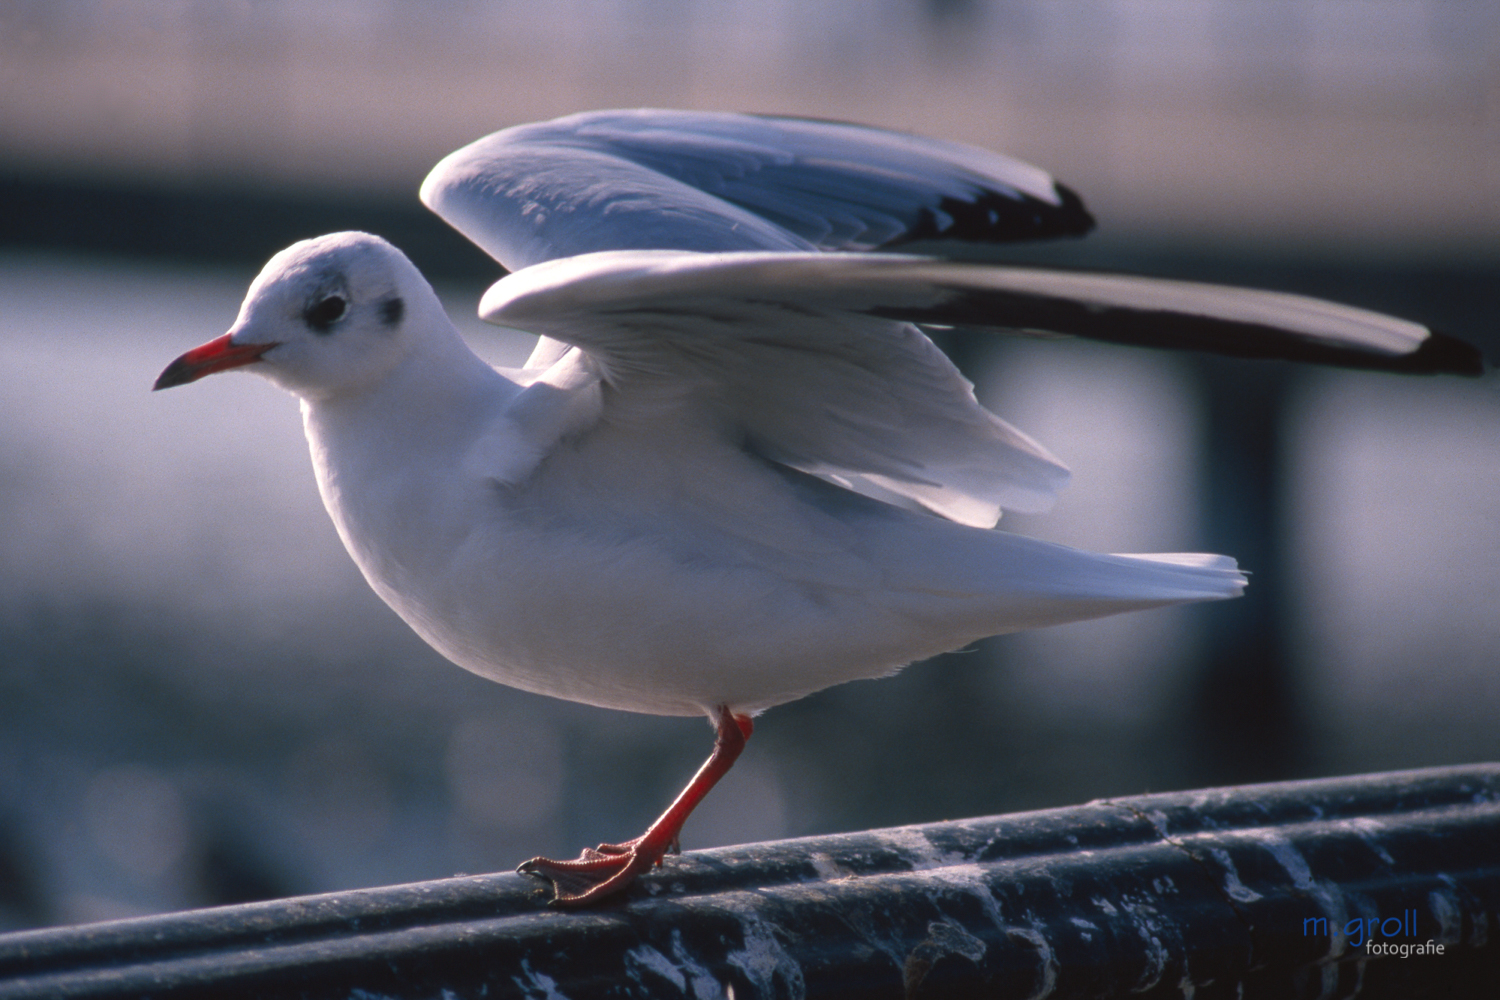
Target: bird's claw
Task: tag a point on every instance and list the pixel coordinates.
(598, 872)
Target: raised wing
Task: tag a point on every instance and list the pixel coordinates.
(691, 180)
(689, 246)
(1124, 309)
(812, 358)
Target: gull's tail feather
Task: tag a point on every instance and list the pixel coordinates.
(1201, 576)
(1010, 582)
(1061, 584)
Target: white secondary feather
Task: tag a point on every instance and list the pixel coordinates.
(780, 353)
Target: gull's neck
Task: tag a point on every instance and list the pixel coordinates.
(405, 432)
(435, 390)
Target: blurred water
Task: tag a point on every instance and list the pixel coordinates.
(200, 700)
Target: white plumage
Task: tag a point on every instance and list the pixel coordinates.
(734, 471)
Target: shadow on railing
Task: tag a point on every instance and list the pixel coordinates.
(1384, 885)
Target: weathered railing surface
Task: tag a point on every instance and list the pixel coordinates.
(1380, 885)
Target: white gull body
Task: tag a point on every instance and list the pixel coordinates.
(615, 532)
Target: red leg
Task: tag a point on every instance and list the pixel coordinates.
(605, 870)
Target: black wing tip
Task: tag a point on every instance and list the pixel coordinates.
(1437, 354)
(1442, 354)
(1073, 218)
(999, 217)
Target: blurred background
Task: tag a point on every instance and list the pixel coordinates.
(200, 700)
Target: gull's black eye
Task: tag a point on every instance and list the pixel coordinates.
(321, 315)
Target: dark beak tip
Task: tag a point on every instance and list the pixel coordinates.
(173, 375)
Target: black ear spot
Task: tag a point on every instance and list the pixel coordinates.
(325, 312)
(391, 310)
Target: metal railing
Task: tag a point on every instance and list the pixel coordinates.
(1386, 885)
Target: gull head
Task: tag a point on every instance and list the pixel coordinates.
(325, 316)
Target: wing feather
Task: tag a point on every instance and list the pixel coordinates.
(1181, 315)
(685, 254)
(756, 343)
(814, 359)
(692, 180)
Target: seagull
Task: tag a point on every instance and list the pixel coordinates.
(735, 470)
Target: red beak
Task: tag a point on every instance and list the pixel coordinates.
(215, 356)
